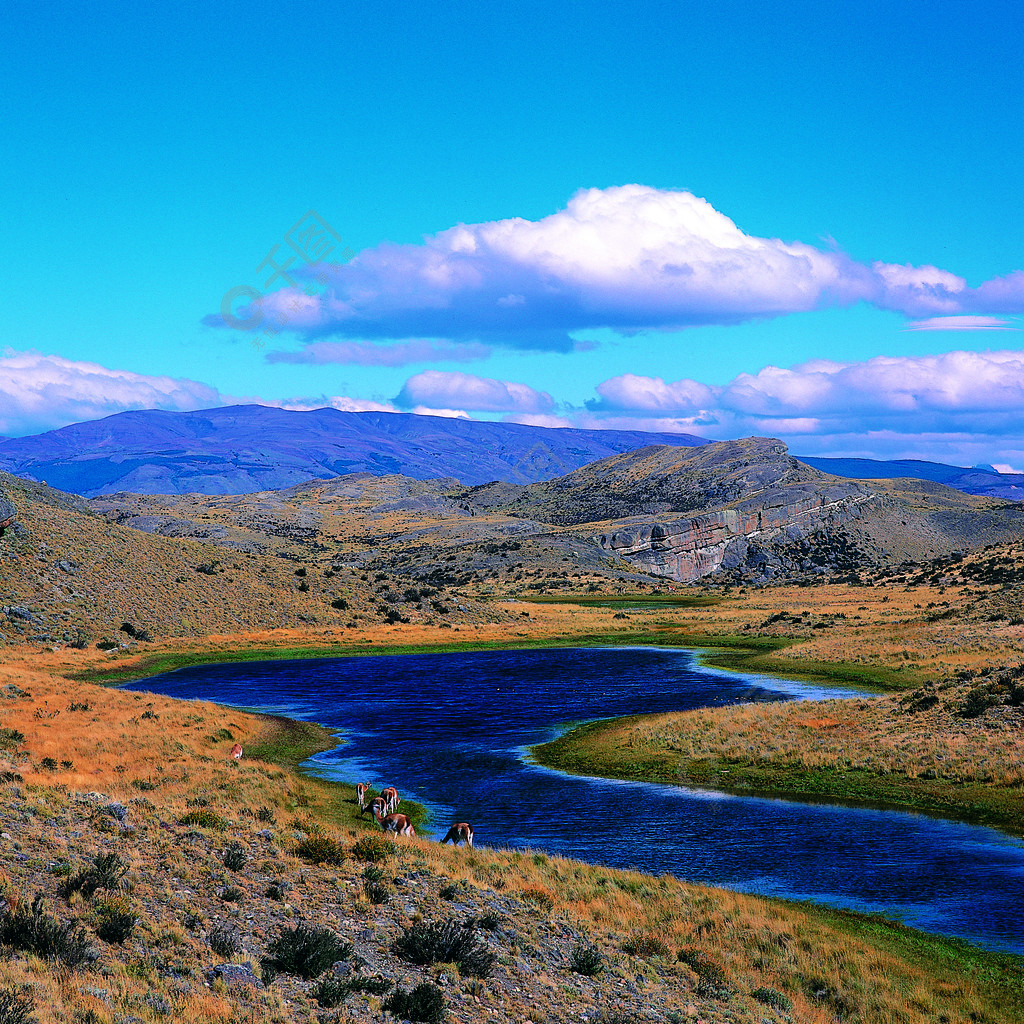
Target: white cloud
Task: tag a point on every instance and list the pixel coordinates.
(624, 258)
(452, 390)
(41, 392)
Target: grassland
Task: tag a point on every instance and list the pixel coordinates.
(127, 770)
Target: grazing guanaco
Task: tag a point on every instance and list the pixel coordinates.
(361, 788)
(460, 832)
(236, 751)
(396, 824)
(391, 798)
(377, 806)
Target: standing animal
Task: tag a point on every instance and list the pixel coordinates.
(396, 824)
(459, 833)
(391, 797)
(361, 788)
(378, 806)
(236, 751)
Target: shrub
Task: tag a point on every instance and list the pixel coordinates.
(117, 919)
(542, 897)
(377, 892)
(424, 1003)
(16, 1008)
(231, 894)
(204, 818)
(586, 959)
(305, 951)
(490, 921)
(340, 603)
(373, 873)
(107, 872)
(10, 739)
(776, 1000)
(445, 943)
(449, 891)
(644, 946)
(32, 930)
(320, 849)
(265, 814)
(224, 941)
(235, 857)
(276, 891)
(373, 847)
(711, 977)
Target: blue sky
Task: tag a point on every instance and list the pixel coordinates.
(777, 218)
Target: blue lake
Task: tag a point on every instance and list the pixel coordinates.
(451, 731)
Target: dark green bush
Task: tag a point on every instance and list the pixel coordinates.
(107, 872)
(333, 991)
(29, 928)
(712, 981)
(305, 951)
(224, 941)
(204, 818)
(644, 946)
(235, 857)
(449, 891)
(277, 891)
(231, 894)
(776, 1000)
(373, 847)
(424, 1003)
(16, 1008)
(265, 814)
(117, 920)
(321, 849)
(586, 959)
(444, 943)
(377, 892)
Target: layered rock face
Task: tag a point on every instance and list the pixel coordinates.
(7, 513)
(687, 549)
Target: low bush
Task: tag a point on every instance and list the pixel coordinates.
(235, 857)
(224, 941)
(231, 894)
(106, 872)
(776, 1000)
(377, 892)
(424, 1003)
(117, 919)
(16, 1008)
(320, 849)
(373, 847)
(204, 818)
(712, 981)
(277, 891)
(586, 959)
(305, 951)
(644, 946)
(445, 943)
(265, 814)
(30, 929)
(333, 991)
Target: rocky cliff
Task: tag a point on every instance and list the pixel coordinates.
(687, 549)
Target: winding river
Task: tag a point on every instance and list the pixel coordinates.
(451, 731)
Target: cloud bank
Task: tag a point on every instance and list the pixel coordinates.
(40, 392)
(450, 393)
(882, 405)
(626, 258)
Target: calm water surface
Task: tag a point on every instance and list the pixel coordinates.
(451, 731)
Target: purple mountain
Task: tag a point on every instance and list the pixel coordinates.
(244, 448)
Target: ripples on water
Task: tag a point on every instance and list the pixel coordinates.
(451, 732)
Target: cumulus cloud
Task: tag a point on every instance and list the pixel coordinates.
(438, 389)
(41, 392)
(955, 393)
(626, 258)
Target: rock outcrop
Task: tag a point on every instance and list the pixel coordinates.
(8, 513)
(687, 549)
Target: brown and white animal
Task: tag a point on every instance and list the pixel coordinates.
(378, 807)
(236, 751)
(462, 832)
(361, 788)
(391, 798)
(396, 824)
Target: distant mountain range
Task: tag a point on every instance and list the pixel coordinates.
(245, 448)
(248, 448)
